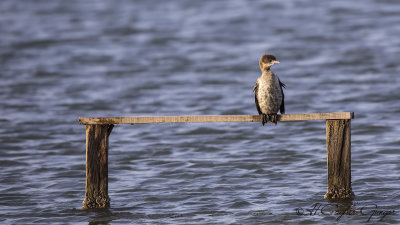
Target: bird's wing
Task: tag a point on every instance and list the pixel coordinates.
(255, 89)
(282, 109)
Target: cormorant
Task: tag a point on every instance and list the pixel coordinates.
(268, 91)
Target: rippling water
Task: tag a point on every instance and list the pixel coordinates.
(63, 59)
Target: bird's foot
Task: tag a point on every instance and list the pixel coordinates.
(264, 119)
(273, 117)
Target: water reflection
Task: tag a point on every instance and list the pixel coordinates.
(101, 217)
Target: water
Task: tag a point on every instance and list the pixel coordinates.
(65, 59)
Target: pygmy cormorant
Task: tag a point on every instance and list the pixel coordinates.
(268, 91)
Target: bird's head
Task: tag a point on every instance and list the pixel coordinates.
(267, 61)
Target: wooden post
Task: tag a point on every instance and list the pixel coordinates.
(338, 140)
(96, 194)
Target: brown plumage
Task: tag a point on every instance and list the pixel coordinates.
(269, 97)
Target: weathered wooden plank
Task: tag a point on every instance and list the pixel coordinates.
(96, 194)
(212, 118)
(338, 140)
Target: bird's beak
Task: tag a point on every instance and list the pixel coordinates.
(275, 61)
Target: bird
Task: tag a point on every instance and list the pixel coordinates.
(268, 92)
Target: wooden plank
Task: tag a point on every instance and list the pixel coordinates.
(213, 118)
(96, 188)
(338, 141)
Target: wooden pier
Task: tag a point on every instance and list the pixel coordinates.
(98, 130)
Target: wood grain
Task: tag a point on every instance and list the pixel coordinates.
(338, 141)
(96, 194)
(212, 118)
